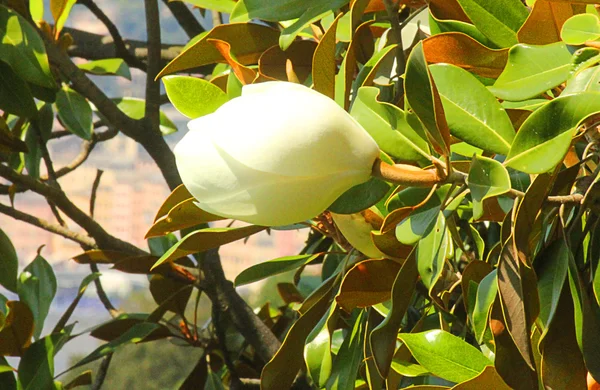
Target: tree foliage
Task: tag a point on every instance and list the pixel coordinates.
(484, 276)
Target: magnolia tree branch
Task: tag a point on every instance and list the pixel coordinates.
(185, 18)
(58, 197)
(120, 47)
(151, 114)
(81, 239)
(222, 294)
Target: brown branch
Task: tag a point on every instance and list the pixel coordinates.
(406, 175)
(102, 371)
(185, 18)
(222, 294)
(102, 237)
(151, 114)
(120, 48)
(79, 238)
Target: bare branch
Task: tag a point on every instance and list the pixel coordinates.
(152, 87)
(184, 16)
(81, 239)
(120, 47)
(102, 237)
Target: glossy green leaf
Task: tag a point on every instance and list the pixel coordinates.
(317, 348)
(108, 66)
(349, 357)
(23, 49)
(80, 291)
(36, 368)
(487, 178)
(9, 263)
(532, 70)
(388, 126)
(580, 29)
(587, 80)
(498, 20)
(431, 252)
(445, 355)
(281, 10)
(225, 6)
(15, 95)
(37, 287)
(423, 98)
(75, 112)
(193, 96)
(272, 267)
(420, 221)
(361, 197)
(61, 9)
(408, 369)
(205, 239)
(551, 269)
(439, 26)
(382, 338)
(135, 109)
(370, 69)
(486, 295)
(473, 113)
(544, 138)
(312, 15)
(529, 105)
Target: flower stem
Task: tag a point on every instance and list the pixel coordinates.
(406, 175)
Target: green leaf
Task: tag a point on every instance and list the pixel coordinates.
(213, 382)
(552, 273)
(225, 6)
(487, 178)
(473, 113)
(61, 9)
(486, 295)
(277, 11)
(431, 252)
(272, 267)
(361, 197)
(544, 138)
(439, 26)
(75, 112)
(587, 80)
(420, 221)
(382, 339)
(108, 66)
(445, 355)
(135, 109)
(15, 95)
(312, 15)
(408, 369)
(422, 95)
(36, 368)
(529, 105)
(532, 70)
(498, 20)
(34, 155)
(349, 357)
(23, 49)
(581, 28)
(135, 334)
(9, 264)
(82, 288)
(193, 96)
(317, 347)
(37, 288)
(388, 126)
(205, 239)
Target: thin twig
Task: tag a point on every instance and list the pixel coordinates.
(185, 18)
(120, 46)
(79, 238)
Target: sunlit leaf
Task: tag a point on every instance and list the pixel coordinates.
(532, 70)
(135, 108)
(272, 267)
(544, 138)
(108, 66)
(349, 357)
(75, 112)
(487, 178)
(580, 29)
(431, 252)
(445, 355)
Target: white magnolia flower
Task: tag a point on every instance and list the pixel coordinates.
(279, 154)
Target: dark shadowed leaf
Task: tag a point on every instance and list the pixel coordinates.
(183, 215)
(9, 264)
(37, 288)
(74, 112)
(272, 267)
(551, 269)
(36, 368)
(15, 95)
(16, 333)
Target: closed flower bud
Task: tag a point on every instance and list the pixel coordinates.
(279, 154)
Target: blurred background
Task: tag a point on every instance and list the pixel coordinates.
(131, 191)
